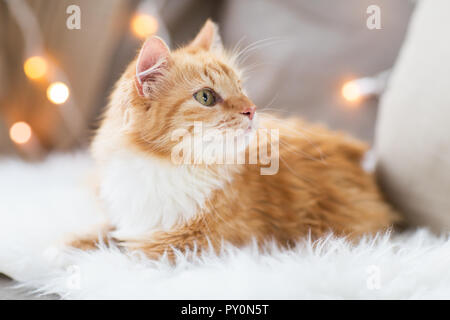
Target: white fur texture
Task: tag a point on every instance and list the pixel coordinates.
(143, 194)
(41, 203)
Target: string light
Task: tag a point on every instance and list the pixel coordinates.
(20, 132)
(35, 67)
(144, 25)
(351, 91)
(358, 89)
(58, 92)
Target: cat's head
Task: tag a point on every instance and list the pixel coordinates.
(168, 90)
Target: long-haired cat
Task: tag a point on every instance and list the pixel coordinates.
(313, 183)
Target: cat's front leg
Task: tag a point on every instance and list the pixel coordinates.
(91, 240)
(187, 242)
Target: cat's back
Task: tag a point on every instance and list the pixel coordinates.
(300, 141)
(319, 186)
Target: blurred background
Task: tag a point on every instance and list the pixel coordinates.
(304, 58)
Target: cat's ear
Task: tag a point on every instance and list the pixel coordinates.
(208, 38)
(152, 64)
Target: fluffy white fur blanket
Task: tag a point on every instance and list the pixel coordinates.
(40, 203)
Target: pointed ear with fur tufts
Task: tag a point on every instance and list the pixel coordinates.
(152, 63)
(208, 38)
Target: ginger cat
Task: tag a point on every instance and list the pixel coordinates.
(316, 185)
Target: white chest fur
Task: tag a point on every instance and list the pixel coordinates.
(143, 194)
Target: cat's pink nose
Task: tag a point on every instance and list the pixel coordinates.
(249, 112)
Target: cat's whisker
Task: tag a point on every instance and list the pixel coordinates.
(313, 133)
(302, 153)
(236, 48)
(269, 104)
(299, 130)
(272, 109)
(255, 44)
(242, 51)
(303, 135)
(248, 70)
(243, 55)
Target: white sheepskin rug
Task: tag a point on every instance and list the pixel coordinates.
(41, 203)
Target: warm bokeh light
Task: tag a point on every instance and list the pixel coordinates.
(20, 132)
(35, 67)
(58, 92)
(351, 91)
(144, 25)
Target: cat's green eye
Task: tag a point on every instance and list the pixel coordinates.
(205, 97)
